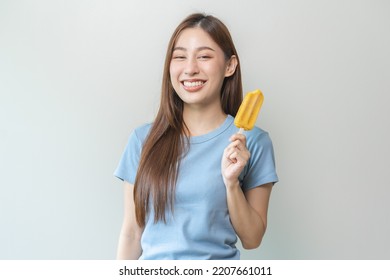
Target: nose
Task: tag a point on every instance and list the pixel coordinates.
(191, 67)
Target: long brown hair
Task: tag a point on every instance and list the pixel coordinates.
(166, 142)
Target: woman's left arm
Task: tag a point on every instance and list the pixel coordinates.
(248, 211)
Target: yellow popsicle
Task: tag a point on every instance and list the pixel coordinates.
(248, 111)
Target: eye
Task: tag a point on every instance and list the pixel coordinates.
(204, 57)
(178, 57)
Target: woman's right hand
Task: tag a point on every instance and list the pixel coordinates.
(129, 246)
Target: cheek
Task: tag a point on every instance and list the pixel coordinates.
(174, 75)
(217, 70)
(173, 70)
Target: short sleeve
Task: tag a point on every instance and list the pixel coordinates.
(128, 164)
(261, 166)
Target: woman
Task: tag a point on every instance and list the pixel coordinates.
(192, 183)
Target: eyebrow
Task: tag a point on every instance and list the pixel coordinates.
(198, 49)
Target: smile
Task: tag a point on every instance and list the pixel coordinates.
(190, 84)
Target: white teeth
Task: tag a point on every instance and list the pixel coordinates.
(193, 84)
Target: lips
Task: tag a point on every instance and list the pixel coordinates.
(193, 85)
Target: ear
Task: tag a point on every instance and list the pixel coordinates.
(231, 66)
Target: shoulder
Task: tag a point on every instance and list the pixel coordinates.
(261, 166)
(141, 132)
(258, 136)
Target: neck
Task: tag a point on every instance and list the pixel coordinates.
(200, 122)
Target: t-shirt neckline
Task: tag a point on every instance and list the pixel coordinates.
(212, 134)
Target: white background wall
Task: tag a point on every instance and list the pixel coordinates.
(77, 76)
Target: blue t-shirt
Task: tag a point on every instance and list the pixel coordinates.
(199, 227)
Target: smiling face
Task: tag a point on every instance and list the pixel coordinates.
(198, 68)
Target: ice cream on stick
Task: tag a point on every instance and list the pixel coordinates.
(248, 111)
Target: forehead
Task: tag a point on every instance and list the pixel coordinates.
(195, 37)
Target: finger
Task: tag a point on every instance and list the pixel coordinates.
(241, 140)
(232, 149)
(237, 144)
(233, 157)
(238, 159)
(240, 137)
(242, 155)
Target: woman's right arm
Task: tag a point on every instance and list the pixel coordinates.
(129, 247)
